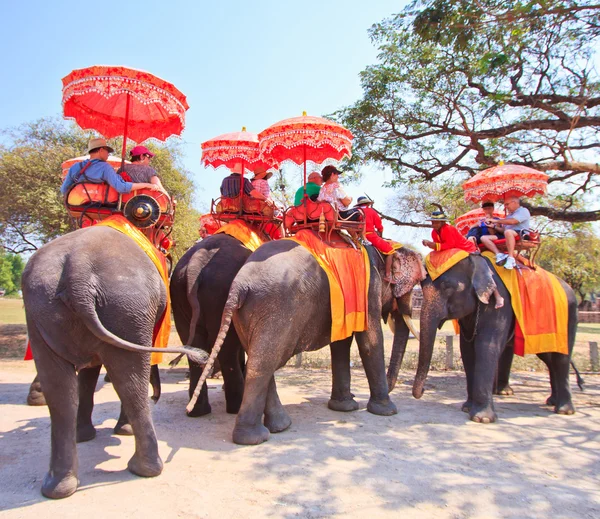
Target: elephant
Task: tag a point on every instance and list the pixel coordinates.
(279, 304)
(486, 341)
(199, 287)
(93, 297)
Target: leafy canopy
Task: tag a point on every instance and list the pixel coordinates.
(461, 85)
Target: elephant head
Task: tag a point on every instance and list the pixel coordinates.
(408, 270)
(453, 295)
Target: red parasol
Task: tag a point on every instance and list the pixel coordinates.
(464, 222)
(123, 101)
(233, 149)
(505, 180)
(305, 138)
(113, 161)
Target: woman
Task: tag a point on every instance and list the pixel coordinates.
(332, 192)
(140, 170)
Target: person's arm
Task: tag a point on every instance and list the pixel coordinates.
(156, 181)
(432, 244)
(67, 183)
(257, 194)
(343, 197)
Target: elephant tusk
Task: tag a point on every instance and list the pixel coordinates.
(411, 326)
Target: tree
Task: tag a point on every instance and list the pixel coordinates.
(461, 85)
(31, 208)
(11, 268)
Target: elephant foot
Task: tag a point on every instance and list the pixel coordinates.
(85, 433)
(382, 407)
(466, 407)
(506, 391)
(56, 487)
(484, 415)
(123, 429)
(200, 410)
(343, 405)
(145, 467)
(250, 435)
(233, 407)
(35, 396)
(566, 408)
(278, 423)
(551, 400)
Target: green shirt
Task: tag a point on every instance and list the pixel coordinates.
(311, 189)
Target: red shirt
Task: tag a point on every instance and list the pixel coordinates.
(372, 220)
(448, 237)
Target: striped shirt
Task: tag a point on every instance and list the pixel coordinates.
(230, 187)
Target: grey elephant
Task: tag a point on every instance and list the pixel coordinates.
(463, 292)
(279, 303)
(199, 287)
(93, 297)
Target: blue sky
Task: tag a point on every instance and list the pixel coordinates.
(239, 63)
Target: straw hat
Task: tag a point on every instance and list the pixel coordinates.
(363, 200)
(95, 144)
(438, 216)
(261, 172)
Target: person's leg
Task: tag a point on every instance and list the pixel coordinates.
(488, 241)
(511, 238)
(388, 267)
(499, 299)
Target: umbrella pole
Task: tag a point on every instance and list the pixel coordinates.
(241, 190)
(305, 195)
(124, 149)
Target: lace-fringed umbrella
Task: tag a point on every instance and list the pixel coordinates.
(306, 138)
(505, 180)
(66, 165)
(235, 151)
(464, 222)
(117, 101)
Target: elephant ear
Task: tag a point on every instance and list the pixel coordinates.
(407, 271)
(482, 279)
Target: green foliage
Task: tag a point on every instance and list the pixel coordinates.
(576, 259)
(11, 268)
(460, 85)
(31, 207)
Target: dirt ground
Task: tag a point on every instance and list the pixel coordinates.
(427, 461)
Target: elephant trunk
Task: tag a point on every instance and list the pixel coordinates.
(431, 313)
(398, 349)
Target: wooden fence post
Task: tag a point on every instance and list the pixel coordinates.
(594, 355)
(449, 352)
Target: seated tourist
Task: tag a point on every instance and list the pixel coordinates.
(96, 170)
(482, 229)
(445, 237)
(230, 187)
(515, 224)
(332, 192)
(140, 170)
(313, 186)
(260, 182)
(373, 232)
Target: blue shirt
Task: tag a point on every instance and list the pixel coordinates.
(230, 187)
(98, 172)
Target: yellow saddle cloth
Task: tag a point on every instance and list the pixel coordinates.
(438, 262)
(541, 309)
(348, 271)
(162, 329)
(241, 231)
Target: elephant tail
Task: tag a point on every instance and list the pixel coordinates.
(580, 380)
(193, 278)
(91, 320)
(233, 303)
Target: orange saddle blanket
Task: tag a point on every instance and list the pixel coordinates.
(348, 271)
(541, 309)
(242, 232)
(438, 262)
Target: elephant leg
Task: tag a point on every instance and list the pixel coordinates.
(342, 398)
(60, 380)
(370, 347)
(123, 427)
(487, 352)
(467, 354)
(233, 376)
(131, 384)
(276, 417)
(35, 395)
(202, 406)
(87, 379)
(559, 366)
(502, 386)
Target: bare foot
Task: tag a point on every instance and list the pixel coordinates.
(499, 302)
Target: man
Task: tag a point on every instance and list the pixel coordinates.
(445, 236)
(516, 221)
(96, 170)
(313, 186)
(230, 187)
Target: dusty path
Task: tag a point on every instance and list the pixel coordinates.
(427, 461)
